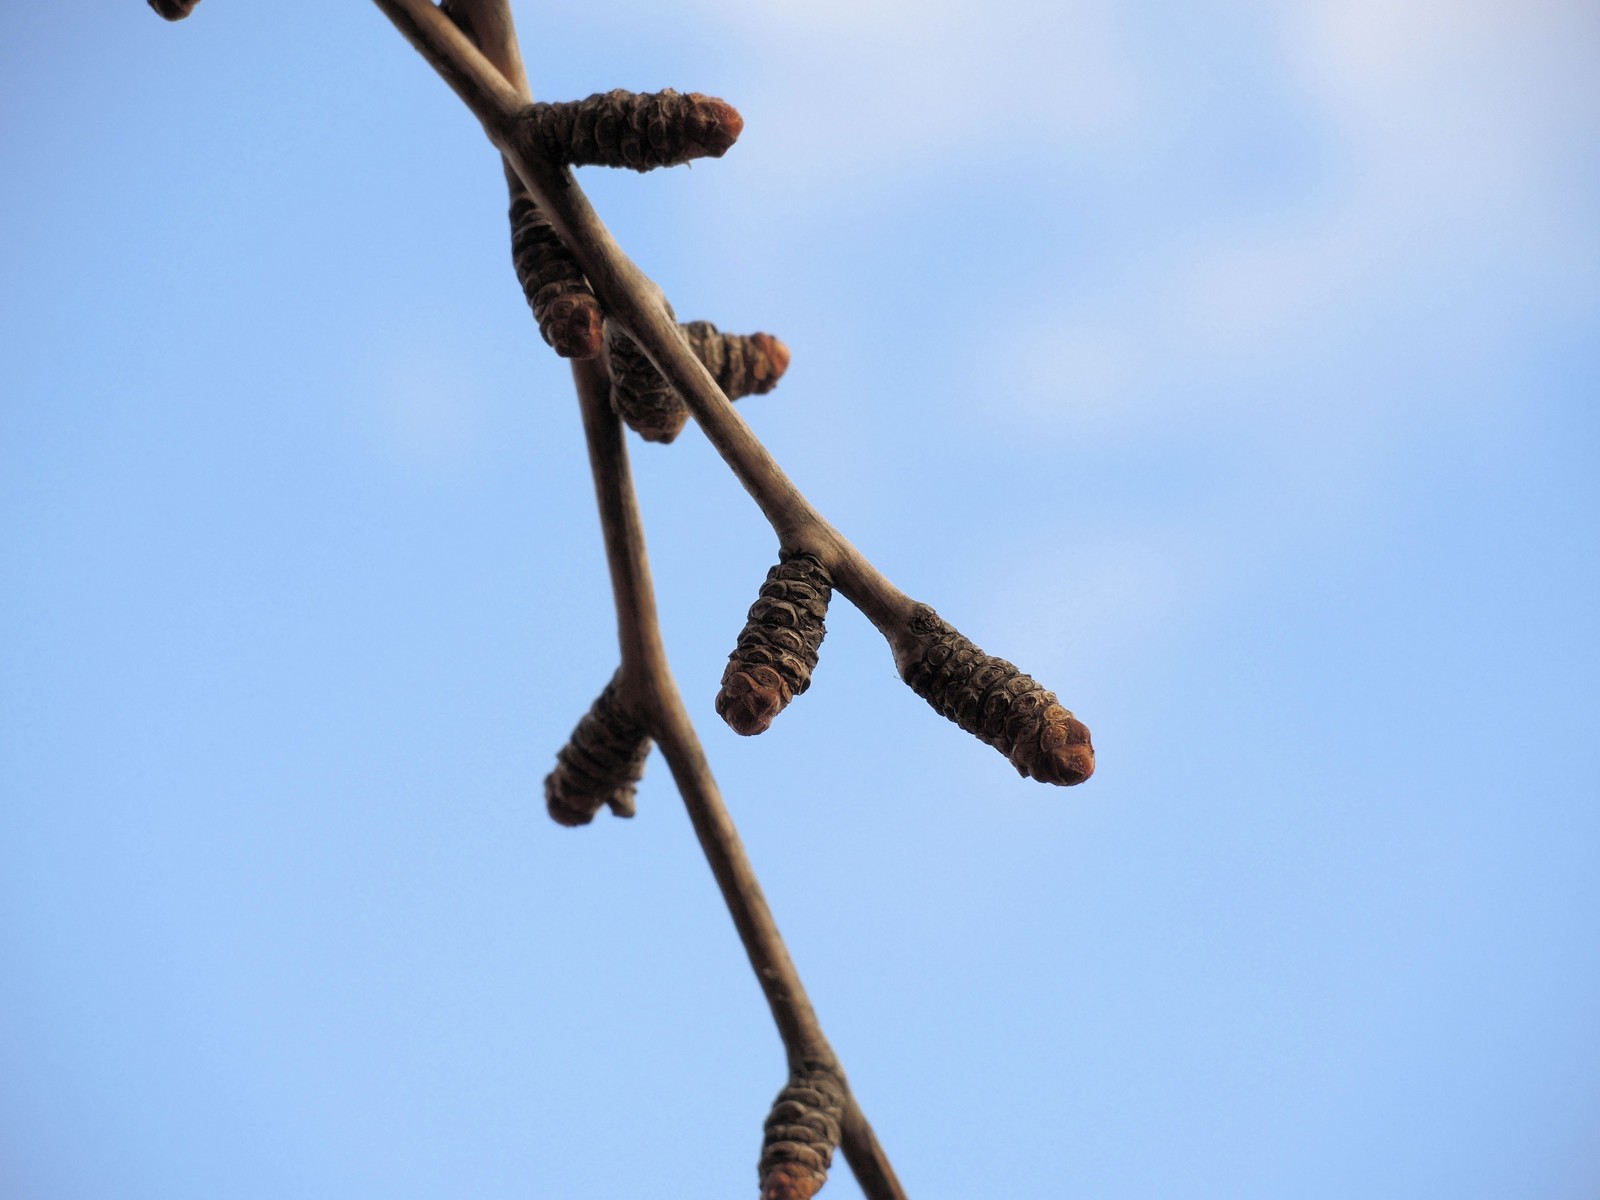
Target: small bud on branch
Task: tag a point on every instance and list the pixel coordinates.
(993, 700)
(599, 765)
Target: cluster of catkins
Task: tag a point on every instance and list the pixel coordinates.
(987, 696)
(604, 758)
(639, 131)
(776, 652)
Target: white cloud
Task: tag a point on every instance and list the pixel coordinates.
(891, 83)
(1333, 329)
(1456, 128)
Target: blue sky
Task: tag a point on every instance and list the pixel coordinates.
(1231, 367)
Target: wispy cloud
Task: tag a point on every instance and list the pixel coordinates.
(896, 83)
(1457, 138)
(1395, 292)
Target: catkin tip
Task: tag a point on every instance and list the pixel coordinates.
(790, 1182)
(561, 814)
(751, 711)
(176, 10)
(666, 433)
(719, 125)
(1067, 764)
(576, 329)
(777, 354)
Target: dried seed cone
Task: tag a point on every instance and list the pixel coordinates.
(639, 130)
(742, 364)
(174, 10)
(599, 765)
(801, 1132)
(640, 394)
(777, 651)
(993, 700)
(568, 314)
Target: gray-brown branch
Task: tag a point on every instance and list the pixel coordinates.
(646, 678)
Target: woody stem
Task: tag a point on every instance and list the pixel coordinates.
(647, 680)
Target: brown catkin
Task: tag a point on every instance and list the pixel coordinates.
(640, 394)
(777, 651)
(742, 364)
(568, 314)
(993, 700)
(599, 765)
(801, 1132)
(174, 10)
(639, 130)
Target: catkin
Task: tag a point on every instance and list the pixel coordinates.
(639, 130)
(568, 314)
(801, 1132)
(599, 765)
(993, 700)
(742, 364)
(777, 651)
(640, 395)
(174, 10)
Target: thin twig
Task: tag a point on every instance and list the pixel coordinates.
(493, 32)
(648, 683)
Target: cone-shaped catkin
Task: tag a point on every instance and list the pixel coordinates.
(568, 314)
(641, 131)
(742, 364)
(174, 10)
(993, 700)
(777, 651)
(640, 394)
(599, 765)
(801, 1133)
